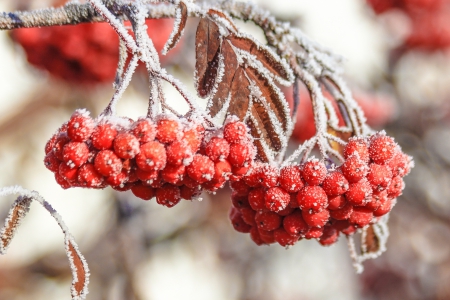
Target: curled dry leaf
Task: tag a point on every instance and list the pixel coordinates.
(371, 242)
(16, 214)
(80, 272)
(221, 15)
(207, 54)
(178, 28)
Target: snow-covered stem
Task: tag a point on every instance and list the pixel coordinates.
(123, 55)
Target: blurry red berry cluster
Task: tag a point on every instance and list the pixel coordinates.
(430, 21)
(169, 159)
(312, 201)
(84, 53)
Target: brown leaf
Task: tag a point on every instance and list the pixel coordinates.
(240, 94)
(207, 41)
(218, 13)
(177, 30)
(371, 241)
(267, 58)
(217, 102)
(262, 155)
(12, 222)
(79, 270)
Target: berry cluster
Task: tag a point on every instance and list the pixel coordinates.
(169, 159)
(84, 53)
(313, 201)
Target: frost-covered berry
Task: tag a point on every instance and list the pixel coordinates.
(107, 163)
(217, 149)
(256, 199)
(240, 154)
(267, 220)
(276, 199)
(59, 144)
(266, 236)
(336, 202)
(168, 130)
(294, 223)
(89, 177)
(222, 170)
(290, 179)
(240, 187)
(314, 233)
(62, 182)
(201, 169)
(384, 208)
(361, 216)
(75, 154)
(179, 153)
(146, 176)
(68, 173)
(342, 213)
(312, 199)
(235, 132)
(80, 126)
(193, 137)
(354, 169)
(396, 187)
(357, 146)
(314, 172)
(188, 193)
(377, 199)
(268, 176)
(51, 162)
(248, 215)
(382, 149)
(144, 130)
(330, 236)
(316, 219)
(142, 191)
(237, 221)
(335, 184)
(379, 176)
(126, 145)
(118, 179)
(103, 136)
(173, 174)
(152, 156)
(287, 210)
(168, 195)
(253, 178)
(50, 144)
(284, 238)
(255, 236)
(400, 164)
(359, 193)
(239, 201)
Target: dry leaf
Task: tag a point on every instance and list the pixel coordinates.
(80, 273)
(371, 242)
(219, 14)
(15, 216)
(178, 28)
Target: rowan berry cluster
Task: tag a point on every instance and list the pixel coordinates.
(169, 159)
(315, 201)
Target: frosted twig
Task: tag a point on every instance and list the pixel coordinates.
(123, 55)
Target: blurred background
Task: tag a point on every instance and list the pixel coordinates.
(397, 63)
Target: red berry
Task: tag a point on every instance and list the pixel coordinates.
(80, 126)
(316, 219)
(188, 193)
(290, 179)
(240, 155)
(179, 153)
(240, 188)
(253, 178)
(51, 162)
(168, 130)
(287, 210)
(50, 143)
(294, 223)
(255, 236)
(312, 199)
(107, 163)
(238, 172)
(103, 136)
(118, 180)
(237, 221)
(152, 156)
(89, 177)
(359, 193)
(173, 174)
(235, 132)
(336, 202)
(379, 176)
(217, 149)
(396, 187)
(400, 164)
(126, 145)
(75, 154)
(142, 191)
(146, 176)
(193, 137)
(222, 170)
(256, 199)
(59, 144)
(144, 130)
(330, 236)
(68, 173)
(343, 213)
(283, 238)
(168, 195)
(266, 236)
(357, 146)
(276, 199)
(239, 201)
(201, 169)
(189, 182)
(378, 198)
(248, 215)
(62, 182)
(268, 176)
(361, 216)
(354, 169)
(382, 149)
(267, 220)
(335, 184)
(314, 233)
(383, 208)
(314, 172)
